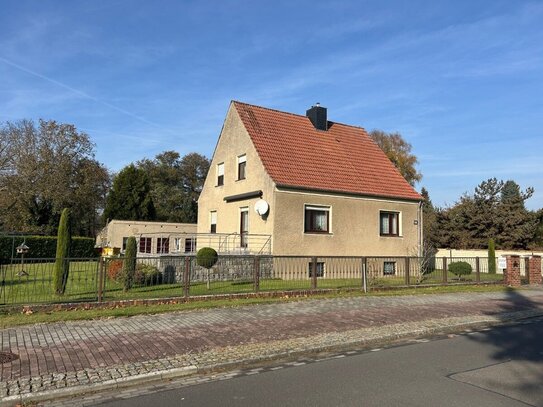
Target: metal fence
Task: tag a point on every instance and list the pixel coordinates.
(30, 281)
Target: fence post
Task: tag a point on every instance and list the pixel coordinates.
(477, 271)
(444, 270)
(364, 275)
(407, 271)
(313, 273)
(257, 274)
(186, 277)
(101, 272)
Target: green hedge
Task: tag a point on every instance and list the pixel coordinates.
(45, 247)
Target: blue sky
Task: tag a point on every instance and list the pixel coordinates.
(462, 81)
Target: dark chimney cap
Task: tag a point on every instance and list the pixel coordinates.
(318, 116)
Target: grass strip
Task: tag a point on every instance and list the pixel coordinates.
(115, 311)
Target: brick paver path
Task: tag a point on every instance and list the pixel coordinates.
(61, 348)
(72, 346)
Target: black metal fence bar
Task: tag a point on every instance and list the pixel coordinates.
(30, 281)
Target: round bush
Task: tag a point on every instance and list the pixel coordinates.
(460, 268)
(206, 257)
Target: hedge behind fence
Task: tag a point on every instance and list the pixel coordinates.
(46, 246)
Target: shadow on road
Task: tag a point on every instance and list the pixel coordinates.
(517, 349)
(519, 341)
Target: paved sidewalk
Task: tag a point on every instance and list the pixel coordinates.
(75, 357)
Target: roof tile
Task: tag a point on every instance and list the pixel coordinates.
(341, 159)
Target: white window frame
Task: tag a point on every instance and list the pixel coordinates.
(220, 172)
(318, 207)
(400, 229)
(211, 223)
(242, 159)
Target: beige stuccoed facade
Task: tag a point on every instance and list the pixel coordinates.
(353, 220)
(234, 142)
(354, 226)
(116, 231)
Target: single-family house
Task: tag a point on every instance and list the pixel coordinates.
(305, 185)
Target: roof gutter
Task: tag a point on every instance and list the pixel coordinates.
(345, 193)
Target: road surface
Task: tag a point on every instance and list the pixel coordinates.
(498, 367)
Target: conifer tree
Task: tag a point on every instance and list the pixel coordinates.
(491, 257)
(62, 264)
(129, 264)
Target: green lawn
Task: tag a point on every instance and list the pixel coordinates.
(35, 284)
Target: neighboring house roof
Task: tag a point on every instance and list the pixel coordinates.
(341, 159)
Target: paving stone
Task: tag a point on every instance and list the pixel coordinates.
(130, 347)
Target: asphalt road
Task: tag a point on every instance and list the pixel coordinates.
(499, 367)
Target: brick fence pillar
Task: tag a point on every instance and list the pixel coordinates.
(534, 270)
(511, 275)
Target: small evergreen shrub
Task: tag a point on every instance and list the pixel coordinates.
(491, 257)
(129, 264)
(460, 268)
(206, 257)
(147, 275)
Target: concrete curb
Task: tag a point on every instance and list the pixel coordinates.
(94, 387)
(147, 378)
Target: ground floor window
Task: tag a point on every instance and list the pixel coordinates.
(389, 268)
(389, 223)
(317, 219)
(162, 245)
(319, 269)
(125, 239)
(190, 245)
(145, 245)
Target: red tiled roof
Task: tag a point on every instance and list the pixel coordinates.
(342, 159)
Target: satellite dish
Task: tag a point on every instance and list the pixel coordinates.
(261, 207)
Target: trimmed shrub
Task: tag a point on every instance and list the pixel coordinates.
(491, 257)
(129, 264)
(45, 247)
(460, 268)
(206, 257)
(115, 270)
(147, 275)
(62, 264)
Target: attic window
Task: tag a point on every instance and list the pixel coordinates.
(220, 174)
(242, 163)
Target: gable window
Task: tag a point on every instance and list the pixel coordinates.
(319, 269)
(242, 163)
(389, 267)
(220, 174)
(213, 222)
(163, 245)
(389, 223)
(145, 245)
(317, 219)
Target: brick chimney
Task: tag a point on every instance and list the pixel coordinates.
(317, 115)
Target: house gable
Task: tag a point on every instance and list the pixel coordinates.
(234, 146)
